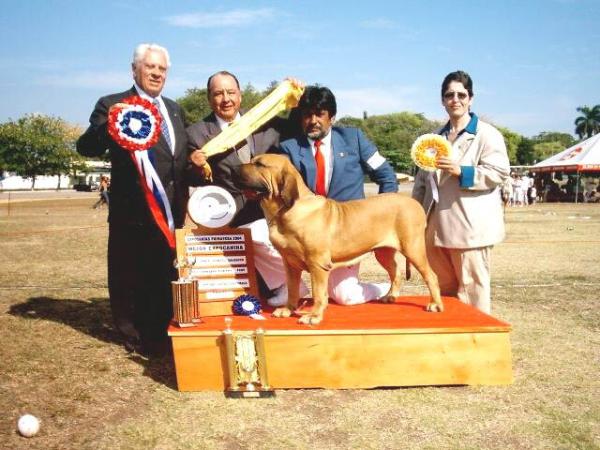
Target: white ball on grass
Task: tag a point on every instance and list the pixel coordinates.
(28, 425)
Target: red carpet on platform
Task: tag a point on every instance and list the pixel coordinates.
(407, 313)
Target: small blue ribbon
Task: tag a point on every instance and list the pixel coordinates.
(246, 305)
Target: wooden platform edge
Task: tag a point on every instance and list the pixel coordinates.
(354, 361)
(187, 332)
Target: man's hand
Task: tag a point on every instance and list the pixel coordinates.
(198, 157)
(447, 165)
(117, 105)
(299, 84)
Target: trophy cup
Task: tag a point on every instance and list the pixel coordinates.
(246, 364)
(186, 310)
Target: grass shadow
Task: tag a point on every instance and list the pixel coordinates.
(93, 317)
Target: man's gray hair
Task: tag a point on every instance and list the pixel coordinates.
(140, 52)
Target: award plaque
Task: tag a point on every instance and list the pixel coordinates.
(218, 257)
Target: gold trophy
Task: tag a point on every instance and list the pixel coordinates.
(246, 363)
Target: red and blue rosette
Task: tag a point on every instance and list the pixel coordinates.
(135, 125)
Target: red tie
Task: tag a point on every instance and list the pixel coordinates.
(320, 160)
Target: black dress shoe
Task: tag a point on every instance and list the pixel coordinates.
(132, 347)
(156, 348)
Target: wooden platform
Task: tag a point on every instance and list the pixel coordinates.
(362, 346)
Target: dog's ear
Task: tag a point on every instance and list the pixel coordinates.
(288, 189)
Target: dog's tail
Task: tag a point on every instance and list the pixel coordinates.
(407, 269)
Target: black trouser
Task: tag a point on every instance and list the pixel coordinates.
(140, 271)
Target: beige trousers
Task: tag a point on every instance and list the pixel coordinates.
(462, 272)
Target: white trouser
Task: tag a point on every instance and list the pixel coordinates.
(267, 259)
(345, 289)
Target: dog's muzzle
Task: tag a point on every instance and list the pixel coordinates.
(251, 186)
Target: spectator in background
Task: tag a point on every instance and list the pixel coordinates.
(595, 196)
(525, 185)
(103, 200)
(517, 190)
(532, 194)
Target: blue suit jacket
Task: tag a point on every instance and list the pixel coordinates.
(351, 151)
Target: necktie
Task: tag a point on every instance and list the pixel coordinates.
(164, 128)
(320, 161)
(243, 151)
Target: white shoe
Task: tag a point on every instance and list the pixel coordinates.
(281, 295)
(382, 290)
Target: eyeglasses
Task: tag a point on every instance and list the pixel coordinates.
(460, 95)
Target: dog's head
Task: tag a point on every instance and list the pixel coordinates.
(270, 178)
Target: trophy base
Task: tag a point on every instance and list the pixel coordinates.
(249, 394)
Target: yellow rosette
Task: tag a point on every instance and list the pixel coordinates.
(427, 148)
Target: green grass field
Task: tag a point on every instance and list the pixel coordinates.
(61, 360)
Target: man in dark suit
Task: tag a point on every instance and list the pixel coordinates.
(225, 98)
(333, 162)
(140, 253)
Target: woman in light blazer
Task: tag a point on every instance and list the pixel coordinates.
(462, 198)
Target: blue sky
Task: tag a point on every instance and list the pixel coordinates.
(532, 62)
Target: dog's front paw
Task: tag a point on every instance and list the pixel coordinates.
(284, 311)
(387, 299)
(434, 307)
(310, 319)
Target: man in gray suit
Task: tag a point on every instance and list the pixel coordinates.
(225, 98)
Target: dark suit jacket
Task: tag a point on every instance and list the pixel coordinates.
(225, 165)
(127, 201)
(351, 153)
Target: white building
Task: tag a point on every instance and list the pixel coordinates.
(9, 181)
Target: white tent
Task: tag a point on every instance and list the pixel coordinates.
(582, 157)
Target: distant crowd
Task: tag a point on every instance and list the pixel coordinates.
(523, 189)
(519, 190)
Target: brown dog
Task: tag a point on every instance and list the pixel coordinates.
(317, 234)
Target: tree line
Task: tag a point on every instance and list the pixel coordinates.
(394, 133)
(37, 145)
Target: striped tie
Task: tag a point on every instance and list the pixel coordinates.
(164, 128)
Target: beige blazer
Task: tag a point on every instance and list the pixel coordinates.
(467, 217)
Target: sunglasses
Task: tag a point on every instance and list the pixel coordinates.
(460, 95)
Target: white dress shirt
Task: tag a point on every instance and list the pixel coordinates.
(222, 124)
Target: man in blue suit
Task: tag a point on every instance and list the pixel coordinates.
(333, 162)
